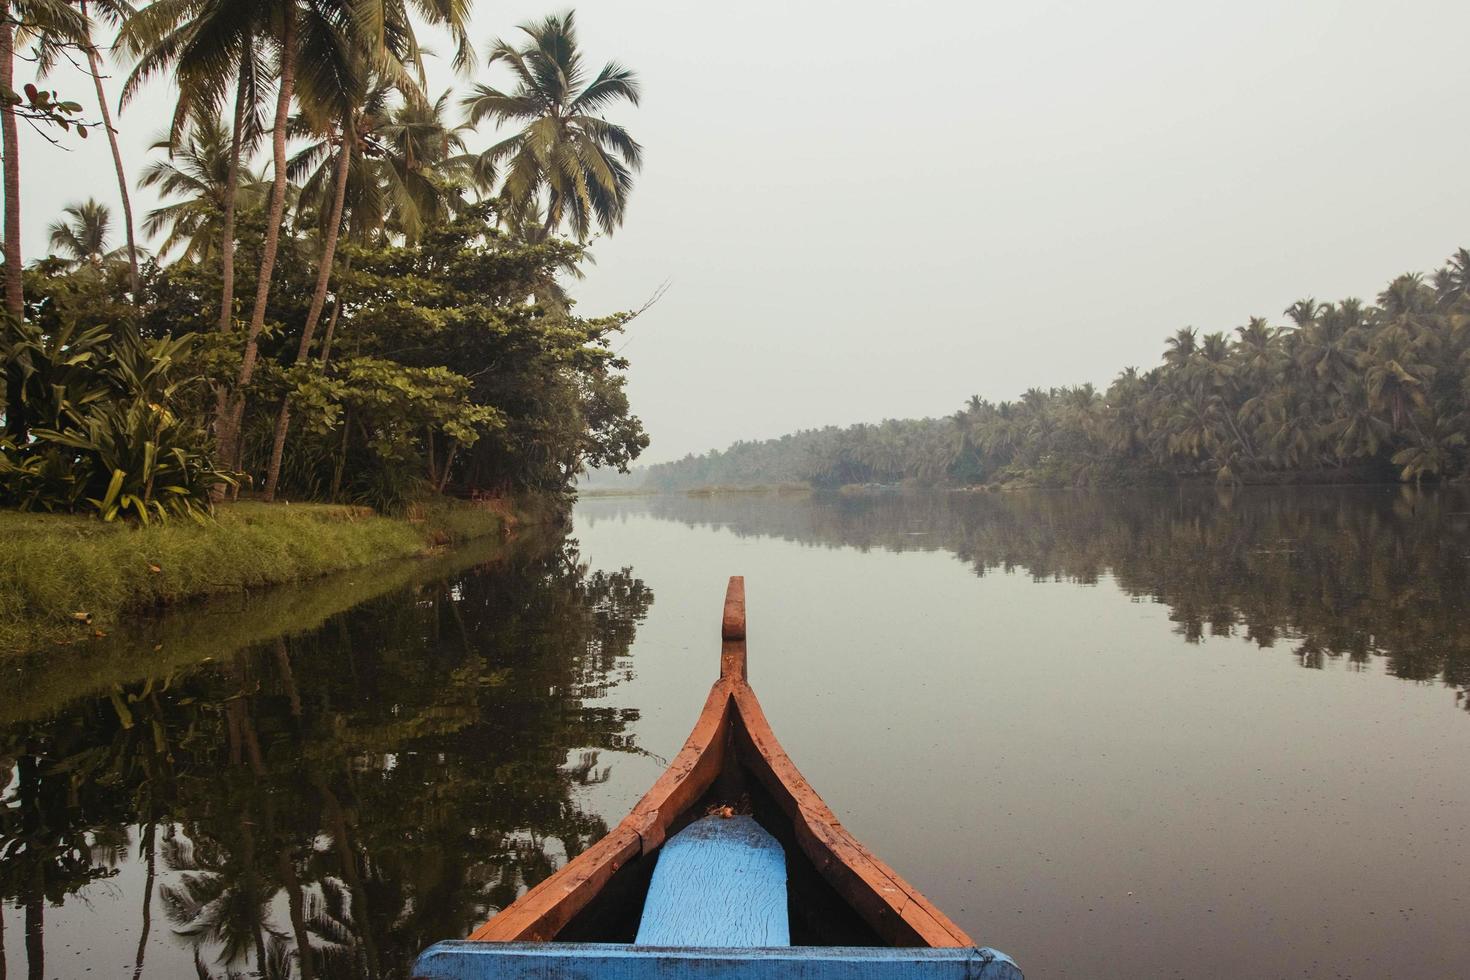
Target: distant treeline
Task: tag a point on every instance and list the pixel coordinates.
(1345, 390)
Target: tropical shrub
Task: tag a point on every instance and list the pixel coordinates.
(96, 431)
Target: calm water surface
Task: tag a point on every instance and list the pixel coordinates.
(1149, 734)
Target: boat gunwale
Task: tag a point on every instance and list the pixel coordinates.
(731, 720)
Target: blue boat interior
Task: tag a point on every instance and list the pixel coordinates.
(721, 881)
(816, 915)
(738, 899)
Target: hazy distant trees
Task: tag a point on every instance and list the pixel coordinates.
(1343, 390)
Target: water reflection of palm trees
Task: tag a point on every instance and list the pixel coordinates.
(328, 804)
(221, 903)
(1358, 575)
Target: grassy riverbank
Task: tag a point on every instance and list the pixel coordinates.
(64, 578)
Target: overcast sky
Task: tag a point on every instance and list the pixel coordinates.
(870, 210)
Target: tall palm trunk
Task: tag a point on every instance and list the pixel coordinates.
(231, 443)
(227, 256)
(94, 65)
(15, 410)
(232, 186)
(318, 300)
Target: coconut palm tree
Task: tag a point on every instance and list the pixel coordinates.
(338, 119)
(423, 164)
(1179, 348)
(113, 12)
(209, 47)
(1329, 344)
(354, 120)
(1396, 378)
(565, 148)
(52, 45)
(331, 45)
(202, 173)
(23, 23)
(81, 236)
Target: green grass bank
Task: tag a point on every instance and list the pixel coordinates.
(63, 578)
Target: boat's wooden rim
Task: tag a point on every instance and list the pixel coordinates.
(891, 906)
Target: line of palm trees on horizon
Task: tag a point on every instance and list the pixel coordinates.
(378, 160)
(1342, 391)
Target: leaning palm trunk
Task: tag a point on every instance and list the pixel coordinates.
(230, 441)
(94, 65)
(314, 315)
(15, 410)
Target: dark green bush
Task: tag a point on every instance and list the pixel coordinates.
(97, 432)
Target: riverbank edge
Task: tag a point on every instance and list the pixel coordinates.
(65, 578)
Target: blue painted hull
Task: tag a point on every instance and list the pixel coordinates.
(617, 961)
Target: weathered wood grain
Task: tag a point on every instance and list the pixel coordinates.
(720, 882)
(732, 624)
(598, 961)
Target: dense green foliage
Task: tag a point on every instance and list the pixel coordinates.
(101, 433)
(1343, 391)
(408, 316)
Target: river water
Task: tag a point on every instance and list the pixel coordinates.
(1157, 733)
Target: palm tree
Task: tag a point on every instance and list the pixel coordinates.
(1395, 377)
(1179, 348)
(1431, 448)
(1258, 349)
(582, 162)
(44, 23)
(284, 17)
(202, 173)
(348, 110)
(207, 46)
(423, 165)
(334, 44)
(81, 236)
(114, 12)
(338, 122)
(1328, 343)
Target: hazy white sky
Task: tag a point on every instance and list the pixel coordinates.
(872, 210)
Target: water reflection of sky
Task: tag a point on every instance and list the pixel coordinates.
(1080, 723)
(1086, 756)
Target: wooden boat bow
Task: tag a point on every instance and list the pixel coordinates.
(732, 720)
(732, 754)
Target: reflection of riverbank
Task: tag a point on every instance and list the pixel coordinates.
(327, 802)
(213, 629)
(66, 578)
(1350, 573)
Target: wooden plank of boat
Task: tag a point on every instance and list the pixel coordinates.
(721, 881)
(850, 914)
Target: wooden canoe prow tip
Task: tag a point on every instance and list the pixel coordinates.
(732, 626)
